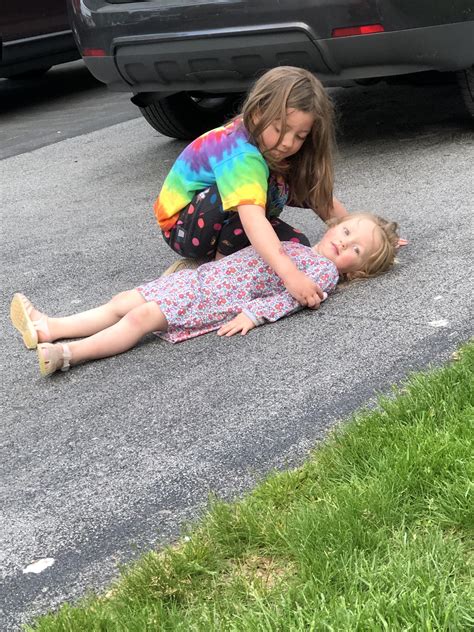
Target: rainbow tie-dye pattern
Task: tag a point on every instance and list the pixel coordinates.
(223, 156)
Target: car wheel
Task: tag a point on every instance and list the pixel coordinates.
(185, 117)
(466, 81)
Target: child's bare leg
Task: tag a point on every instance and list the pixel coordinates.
(93, 320)
(121, 336)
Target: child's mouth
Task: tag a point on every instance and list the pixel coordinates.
(336, 249)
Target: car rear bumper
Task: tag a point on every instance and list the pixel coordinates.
(228, 61)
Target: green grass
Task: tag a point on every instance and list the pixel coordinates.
(373, 533)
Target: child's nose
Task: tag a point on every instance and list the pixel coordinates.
(286, 142)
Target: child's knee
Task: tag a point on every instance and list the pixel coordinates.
(144, 317)
(124, 302)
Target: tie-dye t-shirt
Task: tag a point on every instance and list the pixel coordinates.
(224, 156)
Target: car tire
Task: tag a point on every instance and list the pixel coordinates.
(466, 82)
(185, 117)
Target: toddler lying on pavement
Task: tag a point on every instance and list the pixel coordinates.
(232, 295)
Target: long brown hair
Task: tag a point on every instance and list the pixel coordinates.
(309, 172)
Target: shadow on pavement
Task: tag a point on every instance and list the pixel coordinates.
(386, 110)
(65, 102)
(60, 81)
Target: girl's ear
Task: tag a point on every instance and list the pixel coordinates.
(256, 117)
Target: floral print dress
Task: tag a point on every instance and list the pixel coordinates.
(196, 302)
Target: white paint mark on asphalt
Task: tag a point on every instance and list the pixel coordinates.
(40, 565)
(437, 298)
(439, 323)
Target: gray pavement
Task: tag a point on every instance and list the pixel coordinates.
(65, 102)
(115, 456)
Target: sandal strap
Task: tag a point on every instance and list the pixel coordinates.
(41, 325)
(67, 355)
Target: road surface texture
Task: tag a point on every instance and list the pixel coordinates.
(113, 457)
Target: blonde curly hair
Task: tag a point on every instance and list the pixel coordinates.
(384, 257)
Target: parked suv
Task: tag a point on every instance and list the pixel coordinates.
(185, 61)
(34, 35)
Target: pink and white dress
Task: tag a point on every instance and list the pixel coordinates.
(198, 301)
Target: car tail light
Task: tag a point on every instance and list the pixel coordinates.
(93, 52)
(358, 30)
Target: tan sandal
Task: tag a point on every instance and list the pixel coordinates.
(20, 314)
(53, 358)
(183, 264)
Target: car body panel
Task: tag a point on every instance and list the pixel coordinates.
(30, 18)
(34, 36)
(216, 46)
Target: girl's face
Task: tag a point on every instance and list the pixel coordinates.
(349, 244)
(295, 129)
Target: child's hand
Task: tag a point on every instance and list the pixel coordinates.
(304, 290)
(240, 323)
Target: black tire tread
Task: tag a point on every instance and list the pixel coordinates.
(466, 83)
(163, 121)
(178, 116)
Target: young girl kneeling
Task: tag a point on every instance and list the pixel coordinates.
(227, 189)
(232, 295)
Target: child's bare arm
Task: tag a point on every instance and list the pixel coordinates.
(265, 241)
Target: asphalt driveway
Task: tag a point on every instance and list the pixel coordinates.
(114, 456)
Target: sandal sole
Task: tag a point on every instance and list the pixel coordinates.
(22, 322)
